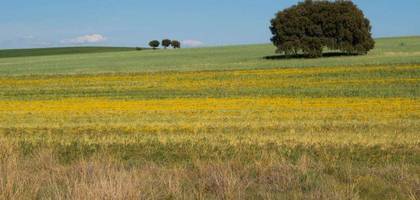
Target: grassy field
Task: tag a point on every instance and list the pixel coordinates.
(212, 123)
(388, 51)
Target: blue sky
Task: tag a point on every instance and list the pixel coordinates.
(42, 23)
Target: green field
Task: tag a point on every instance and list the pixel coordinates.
(389, 51)
(211, 123)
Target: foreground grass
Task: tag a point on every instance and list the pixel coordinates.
(324, 174)
(388, 51)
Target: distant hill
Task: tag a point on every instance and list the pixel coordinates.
(60, 51)
(388, 51)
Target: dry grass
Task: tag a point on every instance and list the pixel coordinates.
(43, 177)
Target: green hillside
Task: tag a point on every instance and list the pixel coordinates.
(59, 51)
(391, 51)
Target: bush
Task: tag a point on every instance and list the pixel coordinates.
(310, 26)
(166, 43)
(176, 44)
(154, 44)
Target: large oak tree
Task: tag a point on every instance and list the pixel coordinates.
(310, 26)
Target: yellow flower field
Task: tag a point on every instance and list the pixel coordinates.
(233, 80)
(295, 130)
(287, 116)
(393, 108)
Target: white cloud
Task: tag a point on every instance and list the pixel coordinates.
(192, 43)
(93, 38)
(28, 37)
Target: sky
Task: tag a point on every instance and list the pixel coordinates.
(50, 23)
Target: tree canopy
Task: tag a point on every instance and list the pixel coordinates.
(154, 44)
(166, 43)
(310, 26)
(176, 44)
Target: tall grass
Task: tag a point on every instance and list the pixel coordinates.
(43, 175)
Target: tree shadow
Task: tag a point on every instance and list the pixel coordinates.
(303, 56)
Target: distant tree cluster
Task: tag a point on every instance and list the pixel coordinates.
(165, 44)
(310, 26)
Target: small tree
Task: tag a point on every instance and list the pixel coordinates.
(166, 43)
(154, 44)
(176, 44)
